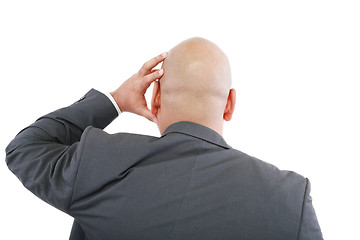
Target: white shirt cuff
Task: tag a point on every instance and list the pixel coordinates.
(113, 102)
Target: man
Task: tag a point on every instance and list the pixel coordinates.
(187, 184)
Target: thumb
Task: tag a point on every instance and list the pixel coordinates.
(145, 112)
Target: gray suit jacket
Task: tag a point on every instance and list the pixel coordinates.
(187, 184)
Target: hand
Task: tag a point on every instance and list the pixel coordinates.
(130, 96)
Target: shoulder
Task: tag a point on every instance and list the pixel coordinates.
(269, 172)
(103, 156)
(97, 136)
(97, 144)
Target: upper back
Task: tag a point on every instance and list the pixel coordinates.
(184, 185)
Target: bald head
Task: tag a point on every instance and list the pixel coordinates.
(197, 66)
(195, 86)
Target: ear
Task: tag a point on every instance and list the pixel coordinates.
(230, 105)
(155, 100)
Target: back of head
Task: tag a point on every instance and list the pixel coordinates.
(196, 83)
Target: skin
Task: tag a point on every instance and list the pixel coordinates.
(194, 85)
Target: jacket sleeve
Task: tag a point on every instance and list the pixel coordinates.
(309, 227)
(45, 156)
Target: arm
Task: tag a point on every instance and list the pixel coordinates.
(309, 226)
(45, 156)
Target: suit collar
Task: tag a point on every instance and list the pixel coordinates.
(198, 131)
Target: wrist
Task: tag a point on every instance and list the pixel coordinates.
(117, 98)
(112, 100)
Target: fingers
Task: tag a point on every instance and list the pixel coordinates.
(149, 65)
(145, 112)
(148, 79)
(134, 89)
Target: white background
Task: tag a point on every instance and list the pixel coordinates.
(295, 66)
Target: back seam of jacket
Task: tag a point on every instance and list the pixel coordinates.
(186, 191)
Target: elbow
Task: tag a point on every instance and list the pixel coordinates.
(15, 155)
(10, 152)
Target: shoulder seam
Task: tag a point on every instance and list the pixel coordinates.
(302, 209)
(84, 135)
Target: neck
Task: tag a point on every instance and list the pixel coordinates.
(216, 126)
